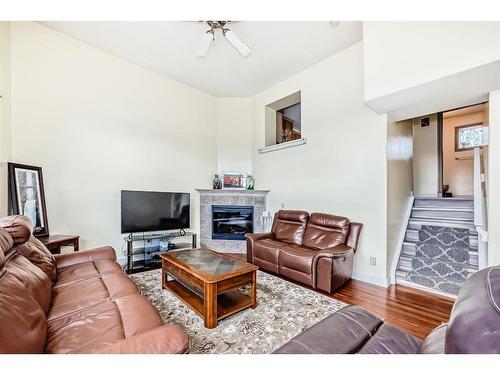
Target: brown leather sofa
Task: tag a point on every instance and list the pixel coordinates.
(316, 250)
(473, 328)
(73, 303)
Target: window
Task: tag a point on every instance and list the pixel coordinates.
(469, 136)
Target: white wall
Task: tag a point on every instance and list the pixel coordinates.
(459, 174)
(342, 168)
(399, 183)
(98, 124)
(5, 112)
(493, 194)
(425, 158)
(234, 134)
(400, 55)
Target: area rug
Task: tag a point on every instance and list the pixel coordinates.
(284, 310)
(442, 258)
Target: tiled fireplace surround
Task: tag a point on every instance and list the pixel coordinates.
(209, 197)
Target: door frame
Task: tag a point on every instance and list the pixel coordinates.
(440, 153)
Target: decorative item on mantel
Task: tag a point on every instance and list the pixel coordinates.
(250, 182)
(217, 182)
(233, 180)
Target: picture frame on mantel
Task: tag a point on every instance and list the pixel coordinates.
(27, 196)
(233, 180)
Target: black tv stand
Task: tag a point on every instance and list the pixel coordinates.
(146, 256)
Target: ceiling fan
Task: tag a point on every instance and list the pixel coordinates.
(209, 37)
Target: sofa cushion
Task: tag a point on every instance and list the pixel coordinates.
(297, 276)
(343, 332)
(89, 329)
(6, 243)
(164, 339)
(266, 254)
(324, 231)
(34, 281)
(77, 296)
(18, 226)
(36, 252)
(100, 326)
(289, 226)
(23, 327)
(297, 258)
(137, 314)
(80, 294)
(21, 230)
(390, 340)
(86, 270)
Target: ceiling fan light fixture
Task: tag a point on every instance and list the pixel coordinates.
(236, 42)
(206, 42)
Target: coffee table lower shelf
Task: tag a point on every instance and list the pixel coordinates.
(228, 303)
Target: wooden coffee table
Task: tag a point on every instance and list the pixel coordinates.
(207, 282)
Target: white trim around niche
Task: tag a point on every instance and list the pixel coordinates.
(281, 146)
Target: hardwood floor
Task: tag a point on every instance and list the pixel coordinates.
(410, 309)
(407, 308)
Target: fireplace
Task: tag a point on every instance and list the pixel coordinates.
(231, 222)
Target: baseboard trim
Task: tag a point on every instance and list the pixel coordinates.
(401, 238)
(371, 279)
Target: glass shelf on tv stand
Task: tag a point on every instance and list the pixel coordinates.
(153, 236)
(144, 257)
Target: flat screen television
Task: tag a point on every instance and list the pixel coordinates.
(148, 211)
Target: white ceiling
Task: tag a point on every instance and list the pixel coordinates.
(279, 50)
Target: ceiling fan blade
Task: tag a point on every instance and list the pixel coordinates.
(206, 41)
(237, 43)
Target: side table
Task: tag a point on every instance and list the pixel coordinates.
(54, 243)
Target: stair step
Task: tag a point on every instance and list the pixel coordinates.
(405, 264)
(444, 202)
(412, 236)
(416, 223)
(402, 281)
(441, 213)
(410, 249)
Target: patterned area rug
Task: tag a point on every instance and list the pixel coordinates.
(442, 258)
(284, 310)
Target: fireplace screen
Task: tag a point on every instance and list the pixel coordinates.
(231, 222)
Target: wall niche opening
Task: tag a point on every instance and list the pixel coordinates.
(284, 120)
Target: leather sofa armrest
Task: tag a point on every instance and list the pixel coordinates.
(65, 260)
(258, 236)
(251, 239)
(339, 251)
(169, 339)
(334, 252)
(353, 238)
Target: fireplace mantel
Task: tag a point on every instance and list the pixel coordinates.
(235, 197)
(232, 192)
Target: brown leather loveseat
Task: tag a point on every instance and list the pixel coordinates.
(73, 303)
(316, 250)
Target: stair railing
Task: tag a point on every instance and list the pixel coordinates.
(480, 221)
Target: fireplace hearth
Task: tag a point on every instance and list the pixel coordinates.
(231, 222)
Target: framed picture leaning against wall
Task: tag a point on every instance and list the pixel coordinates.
(27, 196)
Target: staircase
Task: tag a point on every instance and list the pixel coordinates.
(451, 216)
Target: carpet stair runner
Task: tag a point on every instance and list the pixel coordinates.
(440, 248)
